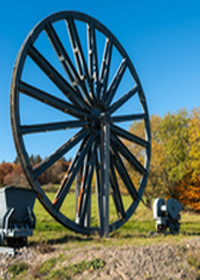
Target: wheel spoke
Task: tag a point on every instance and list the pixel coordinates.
(37, 128)
(78, 52)
(98, 188)
(66, 61)
(87, 188)
(115, 82)
(120, 102)
(79, 177)
(121, 169)
(72, 172)
(78, 156)
(105, 67)
(125, 118)
(116, 194)
(56, 78)
(129, 136)
(50, 100)
(84, 168)
(129, 156)
(93, 61)
(46, 163)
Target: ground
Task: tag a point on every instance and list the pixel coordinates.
(165, 260)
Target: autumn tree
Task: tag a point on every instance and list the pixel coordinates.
(5, 169)
(169, 156)
(188, 192)
(155, 186)
(174, 138)
(194, 144)
(137, 129)
(16, 177)
(55, 173)
(188, 189)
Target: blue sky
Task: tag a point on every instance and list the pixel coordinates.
(161, 37)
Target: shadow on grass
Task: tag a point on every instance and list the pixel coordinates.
(63, 240)
(127, 235)
(71, 238)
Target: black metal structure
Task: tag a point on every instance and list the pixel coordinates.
(17, 219)
(96, 88)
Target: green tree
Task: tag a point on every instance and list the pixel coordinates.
(174, 137)
(157, 169)
(37, 159)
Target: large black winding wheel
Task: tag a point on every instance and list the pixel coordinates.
(90, 81)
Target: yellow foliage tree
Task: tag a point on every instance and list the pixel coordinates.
(155, 186)
(157, 167)
(194, 143)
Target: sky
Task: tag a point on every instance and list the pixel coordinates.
(161, 37)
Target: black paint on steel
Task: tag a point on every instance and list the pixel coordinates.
(91, 100)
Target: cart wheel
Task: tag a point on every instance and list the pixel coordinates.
(161, 228)
(174, 227)
(68, 93)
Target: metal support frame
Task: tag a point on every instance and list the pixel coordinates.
(105, 166)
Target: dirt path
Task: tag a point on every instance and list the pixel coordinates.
(161, 261)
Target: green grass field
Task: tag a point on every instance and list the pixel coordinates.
(135, 231)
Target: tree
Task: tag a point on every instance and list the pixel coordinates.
(16, 177)
(137, 129)
(194, 144)
(188, 192)
(174, 138)
(55, 173)
(37, 159)
(188, 189)
(169, 156)
(155, 186)
(16, 160)
(5, 168)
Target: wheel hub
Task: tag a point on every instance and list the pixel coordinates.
(95, 118)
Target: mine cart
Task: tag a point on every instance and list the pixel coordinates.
(17, 219)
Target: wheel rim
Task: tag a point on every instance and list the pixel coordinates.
(93, 84)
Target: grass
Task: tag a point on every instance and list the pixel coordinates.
(47, 266)
(133, 233)
(77, 268)
(193, 259)
(138, 226)
(92, 265)
(48, 229)
(47, 270)
(18, 268)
